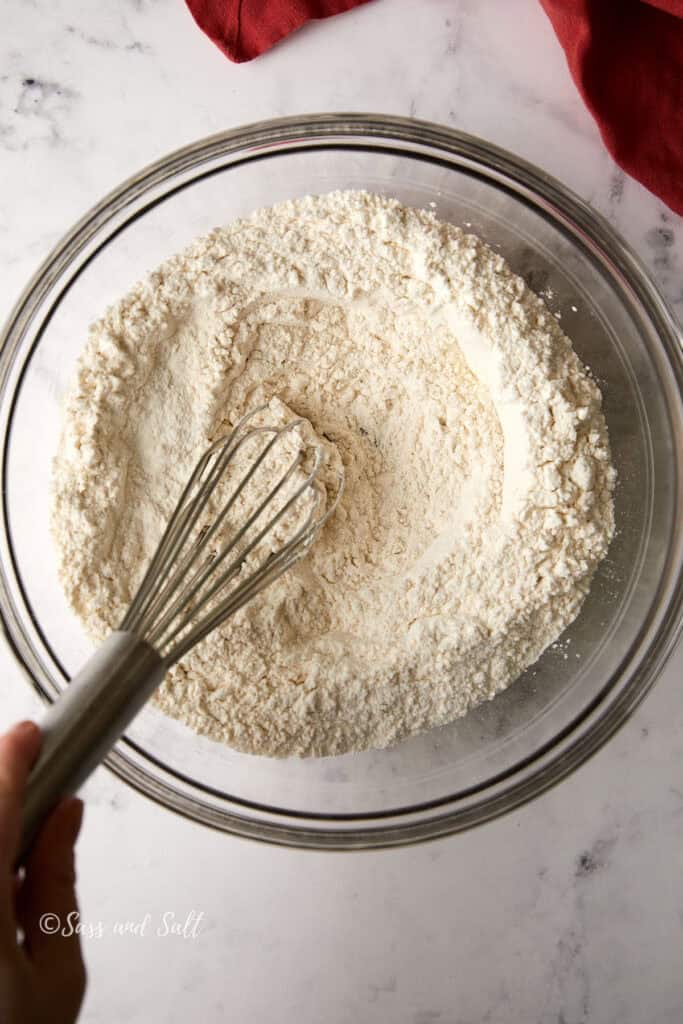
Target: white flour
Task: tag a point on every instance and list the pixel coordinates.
(478, 496)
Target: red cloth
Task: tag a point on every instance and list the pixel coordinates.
(243, 29)
(626, 57)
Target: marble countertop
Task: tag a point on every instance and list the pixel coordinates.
(567, 911)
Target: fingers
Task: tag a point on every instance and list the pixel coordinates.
(48, 909)
(49, 887)
(48, 897)
(18, 750)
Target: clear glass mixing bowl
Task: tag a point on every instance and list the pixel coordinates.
(581, 691)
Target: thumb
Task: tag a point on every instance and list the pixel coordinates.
(48, 910)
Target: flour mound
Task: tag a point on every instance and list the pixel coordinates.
(478, 481)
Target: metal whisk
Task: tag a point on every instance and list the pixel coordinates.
(202, 573)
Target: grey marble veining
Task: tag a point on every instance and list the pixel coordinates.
(569, 911)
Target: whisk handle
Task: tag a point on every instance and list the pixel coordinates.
(83, 724)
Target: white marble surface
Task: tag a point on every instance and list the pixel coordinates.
(568, 911)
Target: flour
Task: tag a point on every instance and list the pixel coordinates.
(478, 495)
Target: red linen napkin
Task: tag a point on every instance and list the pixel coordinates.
(243, 29)
(626, 57)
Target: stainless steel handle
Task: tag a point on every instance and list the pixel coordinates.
(83, 724)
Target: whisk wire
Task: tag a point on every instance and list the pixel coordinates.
(272, 567)
(132, 616)
(167, 583)
(202, 574)
(170, 542)
(178, 589)
(238, 562)
(181, 522)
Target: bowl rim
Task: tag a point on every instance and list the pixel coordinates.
(554, 761)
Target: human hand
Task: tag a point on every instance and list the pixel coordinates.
(42, 976)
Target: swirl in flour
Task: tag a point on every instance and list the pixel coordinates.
(478, 498)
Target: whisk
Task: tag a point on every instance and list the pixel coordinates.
(201, 574)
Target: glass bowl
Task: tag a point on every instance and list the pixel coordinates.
(562, 709)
